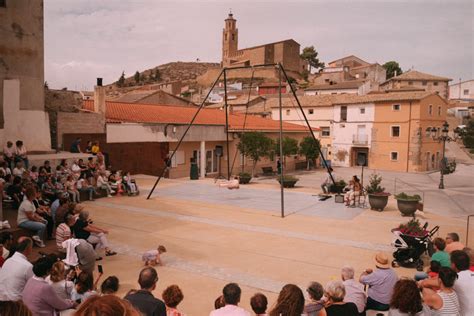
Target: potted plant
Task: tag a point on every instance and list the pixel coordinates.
(338, 187)
(412, 228)
(244, 177)
(378, 198)
(408, 204)
(288, 181)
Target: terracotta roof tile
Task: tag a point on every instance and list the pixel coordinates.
(146, 113)
(341, 85)
(417, 75)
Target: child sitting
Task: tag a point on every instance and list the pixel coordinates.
(130, 183)
(152, 257)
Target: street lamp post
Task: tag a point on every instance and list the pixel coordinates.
(444, 137)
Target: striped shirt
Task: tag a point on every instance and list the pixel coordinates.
(450, 304)
(63, 232)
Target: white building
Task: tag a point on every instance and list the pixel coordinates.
(347, 87)
(351, 136)
(462, 90)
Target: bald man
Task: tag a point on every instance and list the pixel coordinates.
(16, 271)
(143, 299)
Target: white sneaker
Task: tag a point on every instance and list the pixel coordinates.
(38, 242)
(109, 195)
(6, 225)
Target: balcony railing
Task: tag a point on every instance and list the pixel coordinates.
(360, 139)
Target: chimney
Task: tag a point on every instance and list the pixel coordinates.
(99, 97)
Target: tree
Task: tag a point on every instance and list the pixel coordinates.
(467, 134)
(393, 69)
(290, 147)
(255, 145)
(157, 75)
(311, 56)
(309, 147)
(46, 85)
(137, 77)
(121, 80)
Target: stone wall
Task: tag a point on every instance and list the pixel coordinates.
(78, 123)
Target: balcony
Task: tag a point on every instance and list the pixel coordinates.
(360, 139)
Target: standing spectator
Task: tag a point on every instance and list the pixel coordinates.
(58, 280)
(9, 154)
(354, 290)
(21, 154)
(290, 301)
(327, 183)
(143, 299)
(453, 243)
(406, 300)
(39, 295)
(83, 229)
(259, 304)
(335, 305)
(231, 295)
(110, 285)
(76, 146)
(72, 189)
(29, 219)
(172, 296)
(445, 301)
(63, 231)
(16, 271)
(380, 282)
(315, 291)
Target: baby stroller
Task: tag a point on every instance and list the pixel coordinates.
(130, 186)
(408, 248)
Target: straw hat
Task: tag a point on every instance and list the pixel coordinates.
(382, 261)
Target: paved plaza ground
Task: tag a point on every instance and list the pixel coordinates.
(215, 236)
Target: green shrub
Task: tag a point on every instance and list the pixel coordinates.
(406, 197)
(245, 175)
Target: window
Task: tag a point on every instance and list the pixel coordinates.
(310, 111)
(343, 113)
(325, 131)
(439, 110)
(430, 109)
(3, 3)
(362, 110)
(435, 83)
(395, 131)
(396, 107)
(233, 37)
(394, 156)
(428, 131)
(424, 83)
(287, 112)
(465, 92)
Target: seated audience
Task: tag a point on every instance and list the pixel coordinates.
(43, 210)
(290, 301)
(231, 298)
(63, 231)
(63, 208)
(9, 154)
(316, 305)
(39, 295)
(380, 282)
(464, 285)
(110, 285)
(83, 229)
(6, 240)
(19, 169)
(76, 146)
(84, 287)
(115, 182)
(335, 305)
(15, 192)
(259, 304)
(84, 186)
(406, 300)
(219, 302)
(80, 253)
(453, 243)
(107, 305)
(72, 189)
(58, 280)
(49, 190)
(440, 254)
(143, 299)
(445, 301)
(152, 257)
(354, 290)
(172, 296)
(14, 308)
(29, 219)
(470, 254)
(16, 271)
(104, 184)
(34, 174)
(355, 188)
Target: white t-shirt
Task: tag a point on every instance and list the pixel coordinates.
(18, 171)
(14, 274)
(230, 310)
(25, 206)
(464, 287)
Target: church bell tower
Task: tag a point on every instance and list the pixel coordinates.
(229, 39)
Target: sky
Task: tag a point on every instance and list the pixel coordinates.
(86, 39)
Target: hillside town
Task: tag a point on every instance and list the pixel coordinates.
(241, 174)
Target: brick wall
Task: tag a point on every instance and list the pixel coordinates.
(78, 123)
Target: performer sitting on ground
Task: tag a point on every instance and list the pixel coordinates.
(152, 257)
(326, 185)
(230, 184)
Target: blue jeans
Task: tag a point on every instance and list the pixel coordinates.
(37, 227)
